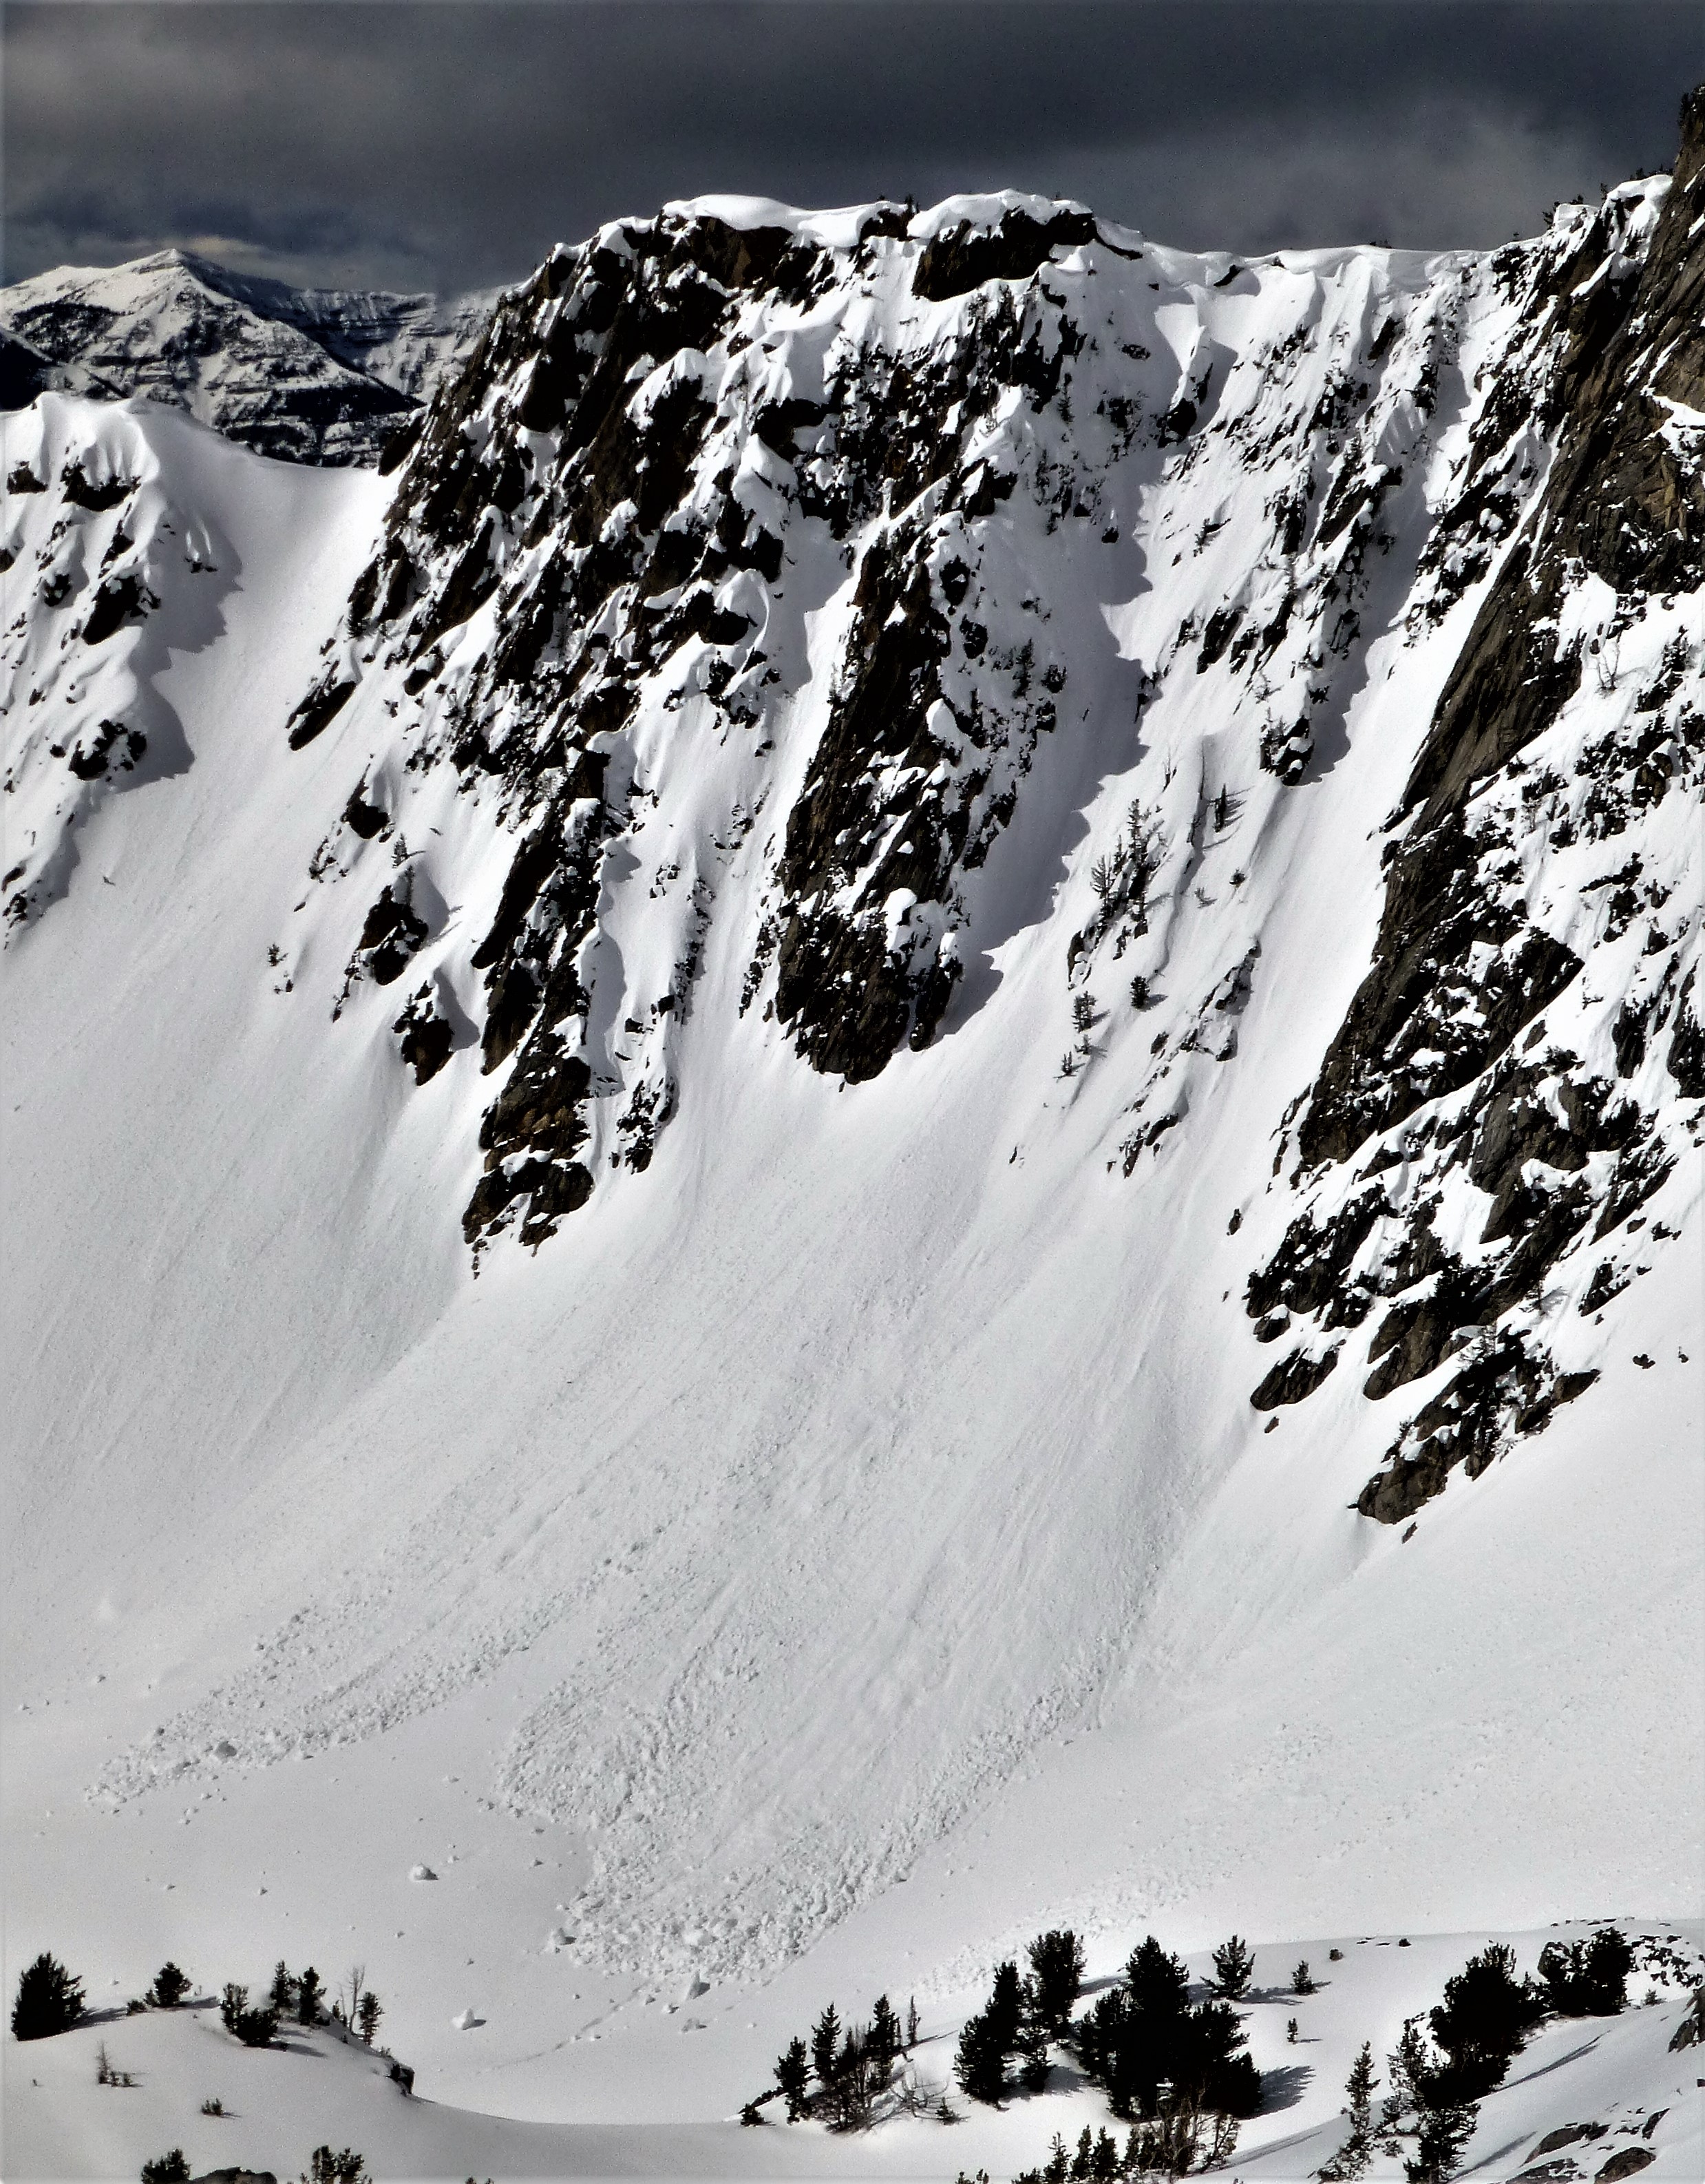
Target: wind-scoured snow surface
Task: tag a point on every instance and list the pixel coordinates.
(321, 376)
(921, 1050)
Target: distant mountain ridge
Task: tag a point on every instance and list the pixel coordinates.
(320, 375)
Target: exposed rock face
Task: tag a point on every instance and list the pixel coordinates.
(848, 598)
(1509, 877)
(27, 371)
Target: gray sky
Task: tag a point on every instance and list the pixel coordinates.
(449, 144)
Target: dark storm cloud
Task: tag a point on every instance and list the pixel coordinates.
(449, 145)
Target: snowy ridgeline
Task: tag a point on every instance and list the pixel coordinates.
(900, 1085)
(1577, 2097)
(321, 375)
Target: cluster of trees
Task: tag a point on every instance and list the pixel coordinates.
(324, 2167)
(1587, 1979)
(1020, 2018)
(301, 1999)
(1172, 2146)
(1434, 2085)
(851, 2065)
(1159, 2055)
(255, 2028)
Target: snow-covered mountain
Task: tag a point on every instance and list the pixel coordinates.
(892, 1108)
(322, 375)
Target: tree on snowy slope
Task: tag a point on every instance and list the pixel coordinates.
(1587, 1979)
(883, 2041)
(1056, 1978)
(326, 2167)
(1480, 2024)
(1233, 1963)
(1143, 2036)
(825, 2040)
(49, 2000)
(1352, 2156)
(980, 2063)
(1424, 2103)
(793, 2076)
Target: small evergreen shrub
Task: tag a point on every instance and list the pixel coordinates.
(169, 1987)
(1233, 1963)
(167, 2168)
(256, 2028)
(49, 2000)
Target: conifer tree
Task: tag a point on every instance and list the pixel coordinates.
(367, 2012)
(1352, 2156)
(49, 2000)
(1006, 2006)
(169, 1987)
(1445, 2131)
(883, 2043)
(825, 2040)
(310, 1997)
(1587, 1979)
(792, 2073)
(283, 1995)
(1408, 2070)
(980, 2063)
(851, 2093)
(1480, 2024)
(1158, 1984)
(1033, 2055)
(1056, 1977)
(1233, 1963)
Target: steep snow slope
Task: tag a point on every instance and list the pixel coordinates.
(735, 1021)
(324, 376)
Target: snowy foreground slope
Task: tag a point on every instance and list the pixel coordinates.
(880, 1127)
(1611, 2090)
